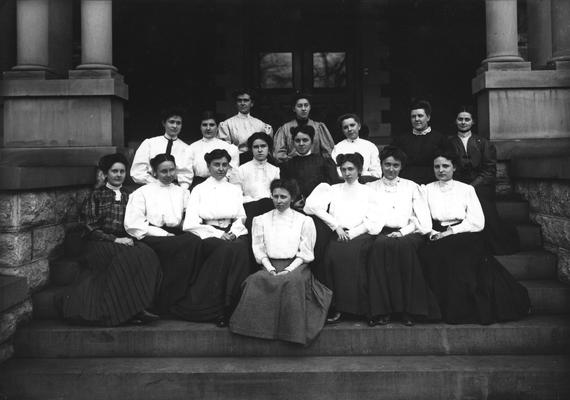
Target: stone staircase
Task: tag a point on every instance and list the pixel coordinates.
(528, 359)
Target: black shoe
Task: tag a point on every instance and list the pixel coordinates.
(222, 322)
(407, 320)
(379, 320)
(144, 317)
(333, 318)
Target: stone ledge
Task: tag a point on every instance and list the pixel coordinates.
(13, 290)
(10, 320)
(507, 149)
(520, 80)
(24, 178)
(36, 273)
(552, 167)
(55, 156)
(63, 87)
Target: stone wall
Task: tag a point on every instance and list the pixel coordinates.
(549, 201)
(33, 224)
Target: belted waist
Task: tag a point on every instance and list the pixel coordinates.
(442, 226)
(221, 223)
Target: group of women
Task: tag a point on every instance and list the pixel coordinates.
(275, 248)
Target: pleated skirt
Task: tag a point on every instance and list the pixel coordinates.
(117, 283)
(469, 284)
(291, 307)
(396, 279)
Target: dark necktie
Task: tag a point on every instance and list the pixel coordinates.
(169, 146)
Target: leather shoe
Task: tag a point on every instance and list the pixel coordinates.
(379, 320)
(407, 320)
(334, 317)
(144, 317)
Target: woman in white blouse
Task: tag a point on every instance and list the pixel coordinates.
(283, 300)
(396, 282)
(255, 176)
(469, 284)
(350, 126)
(209, 142)
(154, 215)
(215, 213)
(349, 211)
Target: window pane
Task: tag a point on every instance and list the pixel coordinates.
(276, 70)
(329, 70)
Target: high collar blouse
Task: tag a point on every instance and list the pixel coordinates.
(402, 204)
(350, 206)
(214, 202)
(237, 129)
(197, 149)
(453, 201)
(368, 151)
(254, 177)
(283, 235)
(153, 206)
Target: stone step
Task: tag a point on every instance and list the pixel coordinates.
(401, 377)
(513, 210)
(13, 290)
(170, 338)
(530, 236)
(548, 296)
(531, 264)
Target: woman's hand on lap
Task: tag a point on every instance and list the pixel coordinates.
(125, 241)
(342, 235)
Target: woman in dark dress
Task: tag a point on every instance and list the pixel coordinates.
(478, 167)
(469, 284)
(396, 281)
(349, 211)
(121, 274)
(215, 213)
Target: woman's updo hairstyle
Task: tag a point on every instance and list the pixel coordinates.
(216, 154)
(107, 161)
(421, 105)
(208, 115)
(171, 112)
(289, 185)
(447, 153)
(347, 116)
(159, 159)
(261, 136)
(467, 109)
(306, 129)
(354, 158)
(396, 153)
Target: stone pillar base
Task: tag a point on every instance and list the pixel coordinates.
(515, 65)
(28, 74)
(559, 64)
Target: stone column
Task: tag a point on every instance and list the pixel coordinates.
(32, 31)
(561, 34)
(502, 35)
(97, 35)
(539, 32)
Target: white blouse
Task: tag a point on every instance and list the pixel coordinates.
(197, 149)
(368, 151)
(283, 235)
(215, 203)
(351, 206)
(237, 129)
(255, 178)
(152, 206)
(452, 201)
(403, 205)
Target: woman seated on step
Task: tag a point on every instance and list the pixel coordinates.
(283, 300)
(215, 213)
(255, 176)
(471, 286)
(209, 142)
(154, 215)
(121, 274)
(477, 167)
(396, 284)
(350, 212)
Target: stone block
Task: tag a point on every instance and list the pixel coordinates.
(564, 265)
(6, 352)
(546, 197)
(8, 206)
(68, 204)
(10, 319)
(555, 230)
(35, 272)
(13, 290)
(36, 208)
(15, 248)
(47, 241)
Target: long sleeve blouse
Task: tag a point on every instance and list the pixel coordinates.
(237, 129)
(254, 177)
(283, 235)
(103, 214)
(284, 149)
(477, 160)
(217, 203)
(403, 205)
(451, 202)
(153, 206)
(350, 206)
(141, 171)
(197, 149)
(368, 150)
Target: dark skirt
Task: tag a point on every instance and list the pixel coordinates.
(470, 285)
(216, 290)
(345, 274)
(180, 261)
(396, 279)
(118, 282)
(291, 307)
(501, 237)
